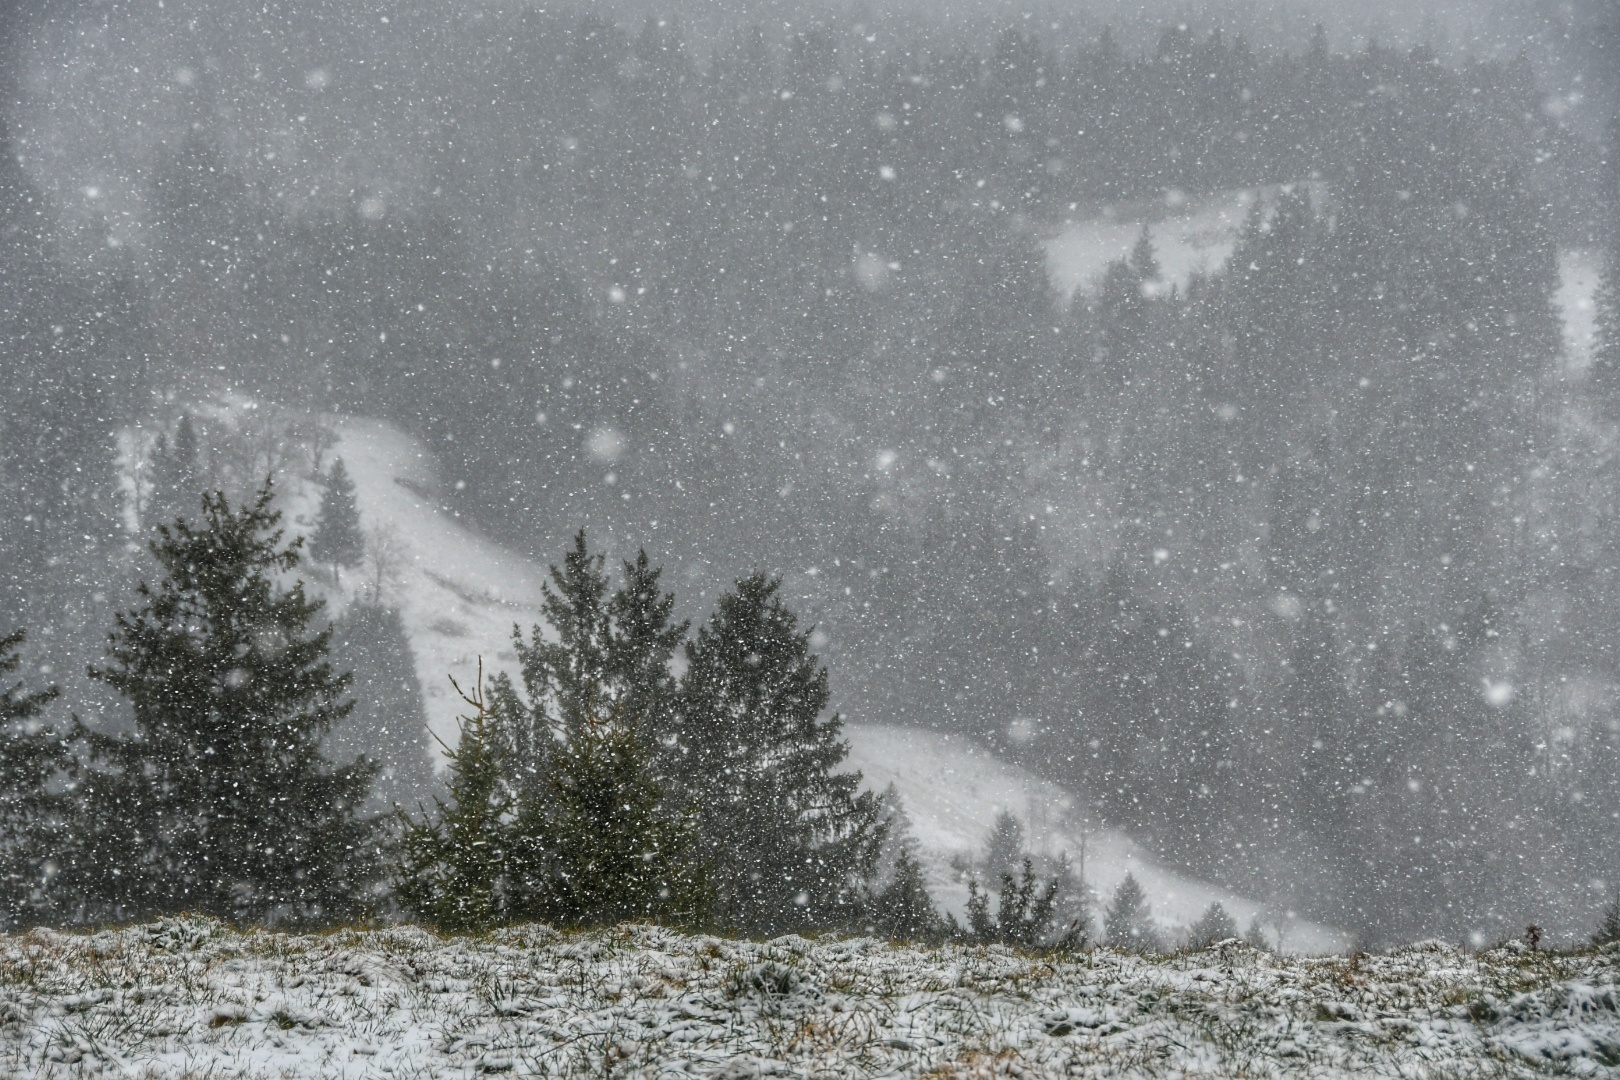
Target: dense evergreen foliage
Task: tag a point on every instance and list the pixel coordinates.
(791, 839)
(220, 800)
(35, 761)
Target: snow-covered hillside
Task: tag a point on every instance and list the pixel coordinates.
(953, 789)
(1191, 234)
(460, 595)
(186, 998)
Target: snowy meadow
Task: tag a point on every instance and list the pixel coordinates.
(191, 998)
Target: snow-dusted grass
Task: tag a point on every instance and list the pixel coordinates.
(184, 998)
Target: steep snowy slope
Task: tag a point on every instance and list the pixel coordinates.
(460, 594)
(1190, 235)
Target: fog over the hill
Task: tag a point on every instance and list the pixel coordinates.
(1212, 407)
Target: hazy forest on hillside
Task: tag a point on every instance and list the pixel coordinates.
(1291, 548)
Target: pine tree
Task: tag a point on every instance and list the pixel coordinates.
(899, 905)
(1608, 928)
(34, 761)
(1026, 914)
(1255, 935)
(1143, 258)
(1128, 922)
(602, 847)
(791, 840)
(597, 836)
(388, 725)
(1024, 917)
(1004, 851)
(175, 477)
(904, 909)
(335, 539)
(1214, 925)
(220, 802)
(453, 865)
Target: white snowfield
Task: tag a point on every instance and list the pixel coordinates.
(183, 998)
(1190, 234)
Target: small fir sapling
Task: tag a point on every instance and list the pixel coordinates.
(452, 865)
(335, 539)
(1128, 922)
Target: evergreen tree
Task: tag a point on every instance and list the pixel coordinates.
(174, 477)
(335, 538)
(1255, 936)
(1608, 928)
(1004, 851)
(1214, 925)
(34, 761)
(1128, 922)
(597, 836)
(899, 905)
(453, 865)
(642, 643)
(904, 910)
(388, 725)
(791, 840)
(1027, 911)
(602, 848)
(220, 802)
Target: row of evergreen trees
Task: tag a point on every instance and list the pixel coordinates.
(598, 788)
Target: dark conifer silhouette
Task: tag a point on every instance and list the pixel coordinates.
(453, 864)
(791, 839)
(335, 539)
(34, 763)
(220, 801)
(597, 837)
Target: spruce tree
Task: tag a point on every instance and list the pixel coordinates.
(335, 539)
(453, 865)
(1608, 928)
(1214, 925)
(1128, 923)
(1004, 851)
(898, 905)
(598, 837)
(174, 477)
(220, 801)
(904, 910)
(34, 761)
(602, 847)
(791, 840)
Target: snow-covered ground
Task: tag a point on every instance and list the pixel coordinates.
(460, 593)
(185, 998)
(1191, 234)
